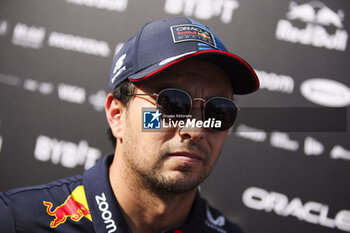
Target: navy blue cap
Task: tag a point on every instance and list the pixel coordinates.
(161, 44)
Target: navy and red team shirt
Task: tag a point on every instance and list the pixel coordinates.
(86, 203)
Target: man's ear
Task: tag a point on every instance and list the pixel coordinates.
(115, 111)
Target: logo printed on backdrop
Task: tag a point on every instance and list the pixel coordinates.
(42, 87)
(247, 132)
(326, 92)
(202, 9)
(283, 141)
(28, 37)
(10, 80)
(338, 152)
(68, 154)
(70, 93)
(319, 21)
(97, 100)
(275, 82)
(312, 146)
(3, 27)
(112, 5)
(312, 212)
(79, 44)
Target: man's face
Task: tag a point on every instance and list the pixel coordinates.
(175, 159)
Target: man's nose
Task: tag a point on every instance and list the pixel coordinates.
(191, 131)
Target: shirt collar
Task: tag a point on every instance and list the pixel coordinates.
(196, 218)
(105, 210)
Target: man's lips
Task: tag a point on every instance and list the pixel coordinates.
(187, 156)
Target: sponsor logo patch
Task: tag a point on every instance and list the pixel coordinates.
(75, 207)
(119, 68)
(190, 32)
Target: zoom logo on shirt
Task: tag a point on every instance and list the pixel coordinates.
(106, 214)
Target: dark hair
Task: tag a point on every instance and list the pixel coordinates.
(122, 92)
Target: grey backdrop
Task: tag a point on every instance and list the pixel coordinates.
(55, 57)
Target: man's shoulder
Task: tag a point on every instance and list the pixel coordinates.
(33, 207)
(214, 221)
(53, 189)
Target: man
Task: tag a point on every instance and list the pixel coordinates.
(181, 70)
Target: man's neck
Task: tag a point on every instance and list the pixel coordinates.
(146, 210)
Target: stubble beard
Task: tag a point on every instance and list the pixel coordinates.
(148, 172)
(181, 182)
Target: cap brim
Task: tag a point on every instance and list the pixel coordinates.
(242, 75)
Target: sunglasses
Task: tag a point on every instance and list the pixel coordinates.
(175, 102)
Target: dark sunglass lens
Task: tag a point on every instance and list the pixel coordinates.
(174, 102)
(221, 109)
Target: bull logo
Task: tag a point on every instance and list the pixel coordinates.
(75, 207)
(308, 13)
(204, 35)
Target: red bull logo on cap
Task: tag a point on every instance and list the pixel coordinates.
(191, 32)
(204, 35)
(75, 207)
